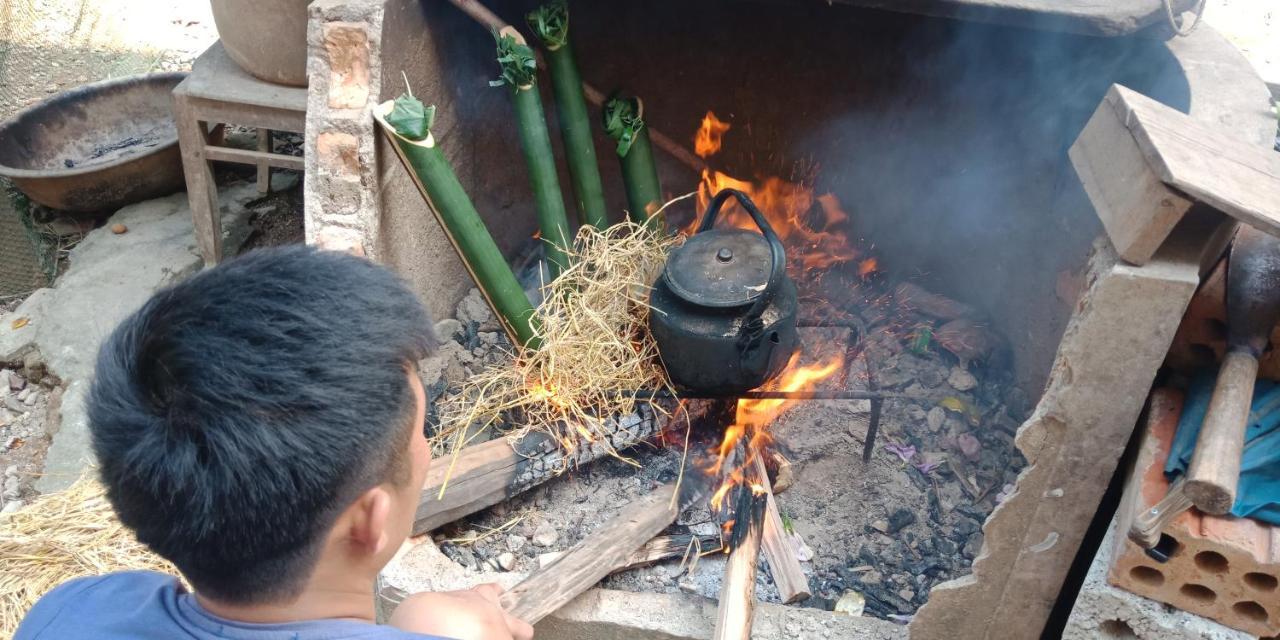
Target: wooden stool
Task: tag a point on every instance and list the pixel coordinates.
(217, 93)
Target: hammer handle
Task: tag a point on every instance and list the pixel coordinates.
(1215, 465)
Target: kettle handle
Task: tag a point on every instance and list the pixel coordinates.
(752, 331)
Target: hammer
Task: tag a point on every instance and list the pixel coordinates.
(1253, 307)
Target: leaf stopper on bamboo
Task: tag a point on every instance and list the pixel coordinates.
(519, 71)
(550, 23)
(624, 122)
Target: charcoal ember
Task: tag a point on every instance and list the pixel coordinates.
(886, 599)
(946, 548)
(964, 527)
(901, 518)
(931, 377)
(972, 547)
(972, 512)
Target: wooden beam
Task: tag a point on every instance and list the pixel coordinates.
(596, 556)
(784, 566)
(247, 156)
(1143, 164)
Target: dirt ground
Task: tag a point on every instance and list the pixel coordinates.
(47, 46)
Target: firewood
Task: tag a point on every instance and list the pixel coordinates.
(484, 474)
(931, 304)
(737, 590)
(785, 567)
(608, 547)
(656, 550)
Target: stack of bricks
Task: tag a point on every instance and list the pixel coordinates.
(1226, 569)
(343, 39)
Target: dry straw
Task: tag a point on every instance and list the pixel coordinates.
(58, 537)
(595, 343)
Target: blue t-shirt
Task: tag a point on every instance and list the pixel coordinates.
(144, 605)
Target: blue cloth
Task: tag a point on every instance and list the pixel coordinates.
(1258, 494)
(144, 605)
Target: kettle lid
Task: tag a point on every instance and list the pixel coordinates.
(719, 268)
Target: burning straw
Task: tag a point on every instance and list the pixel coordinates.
(595, 341)
(64, 535)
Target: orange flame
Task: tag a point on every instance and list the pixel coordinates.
(753, 419)
(787, 205)
(811, 227)
(710, 136)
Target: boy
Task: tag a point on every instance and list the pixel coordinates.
(260, 425)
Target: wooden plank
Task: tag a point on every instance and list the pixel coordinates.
(1229, 174)
(247, 156)
(214, 76)
(1137, 210)
(596, 556)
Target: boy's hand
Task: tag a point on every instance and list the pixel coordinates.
(473, 614)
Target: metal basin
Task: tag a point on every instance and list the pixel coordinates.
(98, 147)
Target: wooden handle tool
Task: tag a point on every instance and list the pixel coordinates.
(1215, 466)
(1253, 307)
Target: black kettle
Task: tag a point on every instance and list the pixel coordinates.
(723, 310)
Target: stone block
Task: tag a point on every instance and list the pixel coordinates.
(339, 153)
(346, 45)
(1104, 612)
(1226, 569)
(1105, 365)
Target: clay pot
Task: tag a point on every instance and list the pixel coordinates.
(267, 38)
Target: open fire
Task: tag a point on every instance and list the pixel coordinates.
(791, 209)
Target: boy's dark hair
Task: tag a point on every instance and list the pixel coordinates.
(237, 413)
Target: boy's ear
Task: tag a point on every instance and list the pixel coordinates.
(369, 519)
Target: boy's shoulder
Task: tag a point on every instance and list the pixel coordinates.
(145, 605)
(64, 611)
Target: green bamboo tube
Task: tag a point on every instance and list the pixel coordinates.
(550, 23)
(518, 72)
(624, 122)
(466, 231)
(640, 175)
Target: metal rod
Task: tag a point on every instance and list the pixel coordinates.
(859, 394)
(873, 426)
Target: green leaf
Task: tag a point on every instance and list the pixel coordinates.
(622, 122)
(519, 67)
(788, 524)
(921, 338)
(550, 22)
(410, 118)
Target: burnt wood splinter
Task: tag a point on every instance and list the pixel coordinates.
(784, 566)
(737, 591)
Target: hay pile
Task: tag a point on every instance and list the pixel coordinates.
(595, 343)
(58, 537)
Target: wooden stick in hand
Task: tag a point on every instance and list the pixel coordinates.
(596, 556)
